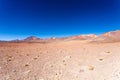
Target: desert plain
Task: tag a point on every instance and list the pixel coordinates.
(62, 60)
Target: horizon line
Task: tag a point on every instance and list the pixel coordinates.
(21, 37)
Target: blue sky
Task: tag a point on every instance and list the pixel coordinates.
(48, 18)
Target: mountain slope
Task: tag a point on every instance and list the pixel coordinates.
(31, 38)
(112, 36)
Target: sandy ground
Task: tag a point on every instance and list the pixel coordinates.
(70, 60)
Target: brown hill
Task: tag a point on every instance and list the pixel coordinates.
(31, 38)
(112, 36)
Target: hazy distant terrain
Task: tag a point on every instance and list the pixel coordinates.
(62, 59)
(112, 36)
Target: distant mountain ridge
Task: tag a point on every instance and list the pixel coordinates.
(111, 36)
(31, 38)
(83, 37)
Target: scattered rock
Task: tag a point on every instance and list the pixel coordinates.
(27, 54)
(101, 59)
(26, 72)
(91, 68)
(108, 52)
(81, 70)
(35, 58)
(26, 65)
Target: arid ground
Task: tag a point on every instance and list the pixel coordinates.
(65, 60)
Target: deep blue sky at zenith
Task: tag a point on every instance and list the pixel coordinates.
(48, 18)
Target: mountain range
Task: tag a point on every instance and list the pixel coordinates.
(111, 36)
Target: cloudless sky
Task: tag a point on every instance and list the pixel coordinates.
(48, 18)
